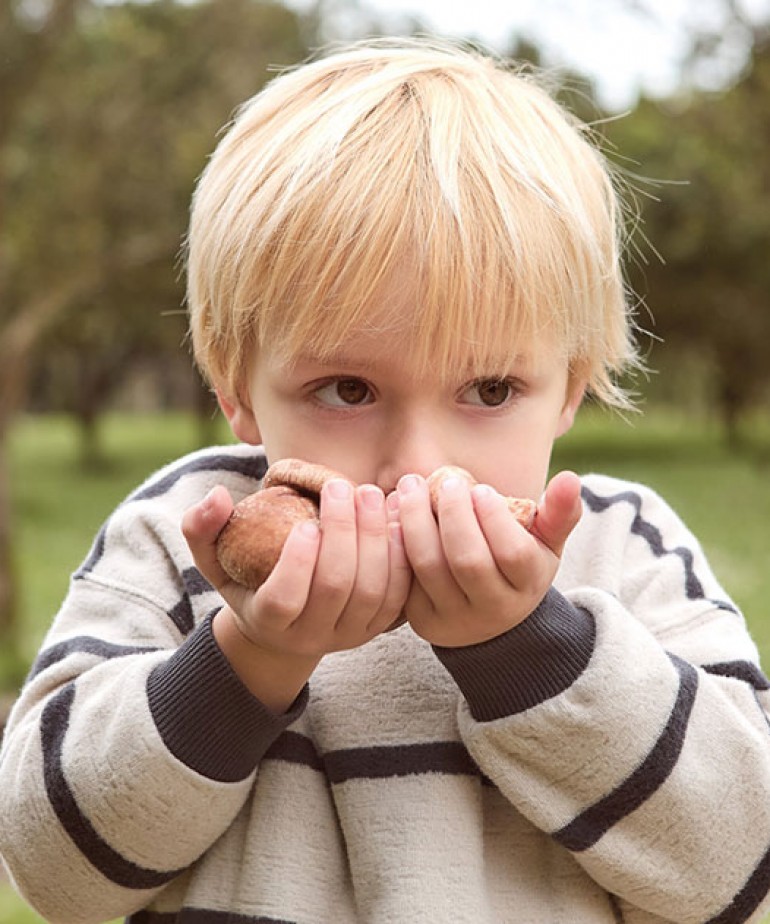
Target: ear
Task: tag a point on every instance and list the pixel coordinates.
(576, 389)
(241, 418)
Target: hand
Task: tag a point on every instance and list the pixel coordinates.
(477, 572)
(333, 588)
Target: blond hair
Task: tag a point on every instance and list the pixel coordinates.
(408, 154)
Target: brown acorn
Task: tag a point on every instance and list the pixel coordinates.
(250, 544)
(522, 508)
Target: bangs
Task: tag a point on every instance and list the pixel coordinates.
(444, 174)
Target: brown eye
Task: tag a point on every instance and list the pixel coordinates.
(493, 392)
(352, 391)
(344, 393)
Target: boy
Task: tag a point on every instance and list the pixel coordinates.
(401, 256)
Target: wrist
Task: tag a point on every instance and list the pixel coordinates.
(534, 661)
(273, 677)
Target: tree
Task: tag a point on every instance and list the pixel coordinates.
(99, 159)
(709, 220)
(30, 35)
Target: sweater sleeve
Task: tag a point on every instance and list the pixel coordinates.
(133, 744)
(628, 718)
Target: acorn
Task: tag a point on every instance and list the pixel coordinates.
(251, 541)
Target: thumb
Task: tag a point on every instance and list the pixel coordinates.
(558, 512)
(201, 525)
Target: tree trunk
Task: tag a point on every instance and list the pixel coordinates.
(8, 584)
(732, 404)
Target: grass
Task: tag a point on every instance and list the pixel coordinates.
(724, 497)
(13, 910)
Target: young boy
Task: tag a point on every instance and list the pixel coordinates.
(400, 256)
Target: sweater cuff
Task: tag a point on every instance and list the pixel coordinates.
(205, 715)
(532, 662)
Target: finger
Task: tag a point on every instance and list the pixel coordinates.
(420, 611)
(558, 512)
(372, 556)
(399, 584)
(467, 551)
(201, 525)
(335, 571)
(422, 540)
(507, 540)
(284, 595)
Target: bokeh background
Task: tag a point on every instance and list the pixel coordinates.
(108, 111)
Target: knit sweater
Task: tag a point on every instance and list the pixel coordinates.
(606, 760)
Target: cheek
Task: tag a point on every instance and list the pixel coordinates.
(518, 463)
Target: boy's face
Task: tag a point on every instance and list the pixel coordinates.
(372, 414)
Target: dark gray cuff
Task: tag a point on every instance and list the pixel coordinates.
(206, 716)
(533, 662)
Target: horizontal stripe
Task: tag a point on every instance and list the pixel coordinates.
(294, 748)
(746, 902)
(53, 729)
(200, 916)
(449, 757)
(654, 539)
(740, 670)
(85, 644)
(592, 824)
(252, 466)
(376, 763)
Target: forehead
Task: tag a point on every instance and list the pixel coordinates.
(424, 330)
(370, 354)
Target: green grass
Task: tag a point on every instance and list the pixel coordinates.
(13, 910)
(724, 497)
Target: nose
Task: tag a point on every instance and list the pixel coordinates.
(415, 444)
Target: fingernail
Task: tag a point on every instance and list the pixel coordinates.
(339, 489)
(392, 502)
(450, 485)
(371, 497)
(408, 484)
(207, 504)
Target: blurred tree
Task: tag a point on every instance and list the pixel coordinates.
(710, 221)
(99, 157)
(30, 35)
(118, 140)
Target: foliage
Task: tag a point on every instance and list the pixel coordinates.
(705, 209)
(108, 155)
(106, 115)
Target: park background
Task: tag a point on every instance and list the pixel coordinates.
(107, 114)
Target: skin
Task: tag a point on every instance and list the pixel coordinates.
(373, 414)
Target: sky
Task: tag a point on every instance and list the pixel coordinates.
(625, 45)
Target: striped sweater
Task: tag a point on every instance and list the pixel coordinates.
(607, 760)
